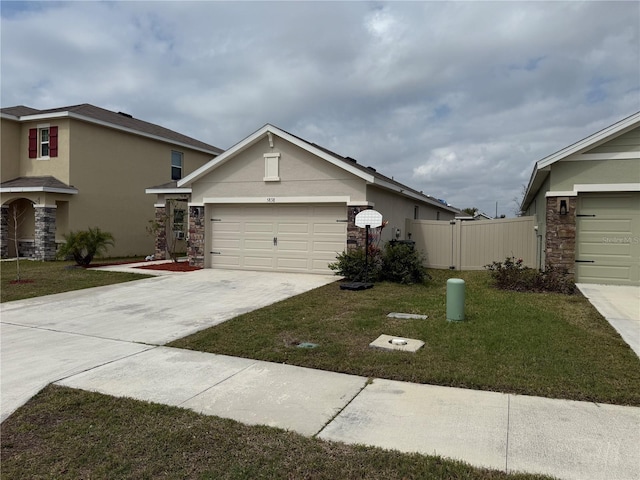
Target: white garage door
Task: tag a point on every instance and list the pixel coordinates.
(286, 238)
(608, 239)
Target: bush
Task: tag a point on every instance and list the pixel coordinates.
(396, 263)
(351, 265)
(401, 263)
(513, 275)
(83, 245)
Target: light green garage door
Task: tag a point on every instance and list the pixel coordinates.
(608, 239)
(286, 238)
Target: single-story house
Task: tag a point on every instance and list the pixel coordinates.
(82, 166)
(587, 201)
(277, 202)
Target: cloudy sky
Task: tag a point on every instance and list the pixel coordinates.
(458, 99)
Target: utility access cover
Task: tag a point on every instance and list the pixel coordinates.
(369, 218)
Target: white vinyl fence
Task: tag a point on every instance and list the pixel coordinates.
(470, 245)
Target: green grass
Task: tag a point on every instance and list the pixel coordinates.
(45, 278)
(547, 345)
(66, 433)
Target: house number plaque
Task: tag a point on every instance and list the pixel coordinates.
(271, 199)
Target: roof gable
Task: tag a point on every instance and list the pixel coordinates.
(368, 174)
(542, 167)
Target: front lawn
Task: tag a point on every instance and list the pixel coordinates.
(548, 345)
(66, 433)
(44, 278)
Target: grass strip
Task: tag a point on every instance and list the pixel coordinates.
(45, 278)
(548, 345)
(67, 433)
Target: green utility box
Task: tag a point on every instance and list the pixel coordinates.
(455, 299)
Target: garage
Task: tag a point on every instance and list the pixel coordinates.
(608, 238)
(285, 238)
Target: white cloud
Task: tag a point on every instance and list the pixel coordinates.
(458, 99)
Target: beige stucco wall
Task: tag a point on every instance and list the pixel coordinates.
(111, 170)
(57, 167)
(397, 209)
(9, 149)
(301, 175)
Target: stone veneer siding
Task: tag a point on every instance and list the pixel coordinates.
(45, 233)
(561, 234)
(195, 242)
(356, 236)
(4, 232)
(160, 243)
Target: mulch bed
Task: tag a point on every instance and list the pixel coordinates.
(16, 282)
(172, 267)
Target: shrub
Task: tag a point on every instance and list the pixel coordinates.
(512, 274)
(351, 265)
(401, 263)
(396, 263)
(83, 245)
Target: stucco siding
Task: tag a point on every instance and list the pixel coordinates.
(564, 175)
(10, 149)
(538, 208)
(58, 166)
(301, 175)
(111, 170)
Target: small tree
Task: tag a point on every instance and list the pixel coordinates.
(83, 245)
(17, 219)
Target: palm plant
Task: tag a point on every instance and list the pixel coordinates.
(84, 245)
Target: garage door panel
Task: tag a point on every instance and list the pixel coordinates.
(225, 261)
(258, 262)
(335, 228)
(293, 228)
(227, 243)
(609, 225)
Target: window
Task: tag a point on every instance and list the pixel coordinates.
(178, 219)
(176, 165)
(271, 172)
(416, 212)
(43, 142)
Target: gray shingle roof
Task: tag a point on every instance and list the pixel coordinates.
(36, 182)
(118, 119)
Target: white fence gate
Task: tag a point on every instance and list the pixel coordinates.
(470, 245)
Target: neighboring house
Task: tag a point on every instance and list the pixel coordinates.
(82, 166)
(277, 202)
(587, 201)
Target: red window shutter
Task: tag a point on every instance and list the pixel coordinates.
(33, 142)
(53, 141)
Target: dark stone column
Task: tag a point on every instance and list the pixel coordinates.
(560, 242)
(356, 236)
(45, 232)
(195, 242)
(4, 232)
(160, 244)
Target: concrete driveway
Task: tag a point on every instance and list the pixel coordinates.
(620, 305)
(49, 338)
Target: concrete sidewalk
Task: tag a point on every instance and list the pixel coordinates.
(567, 439)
